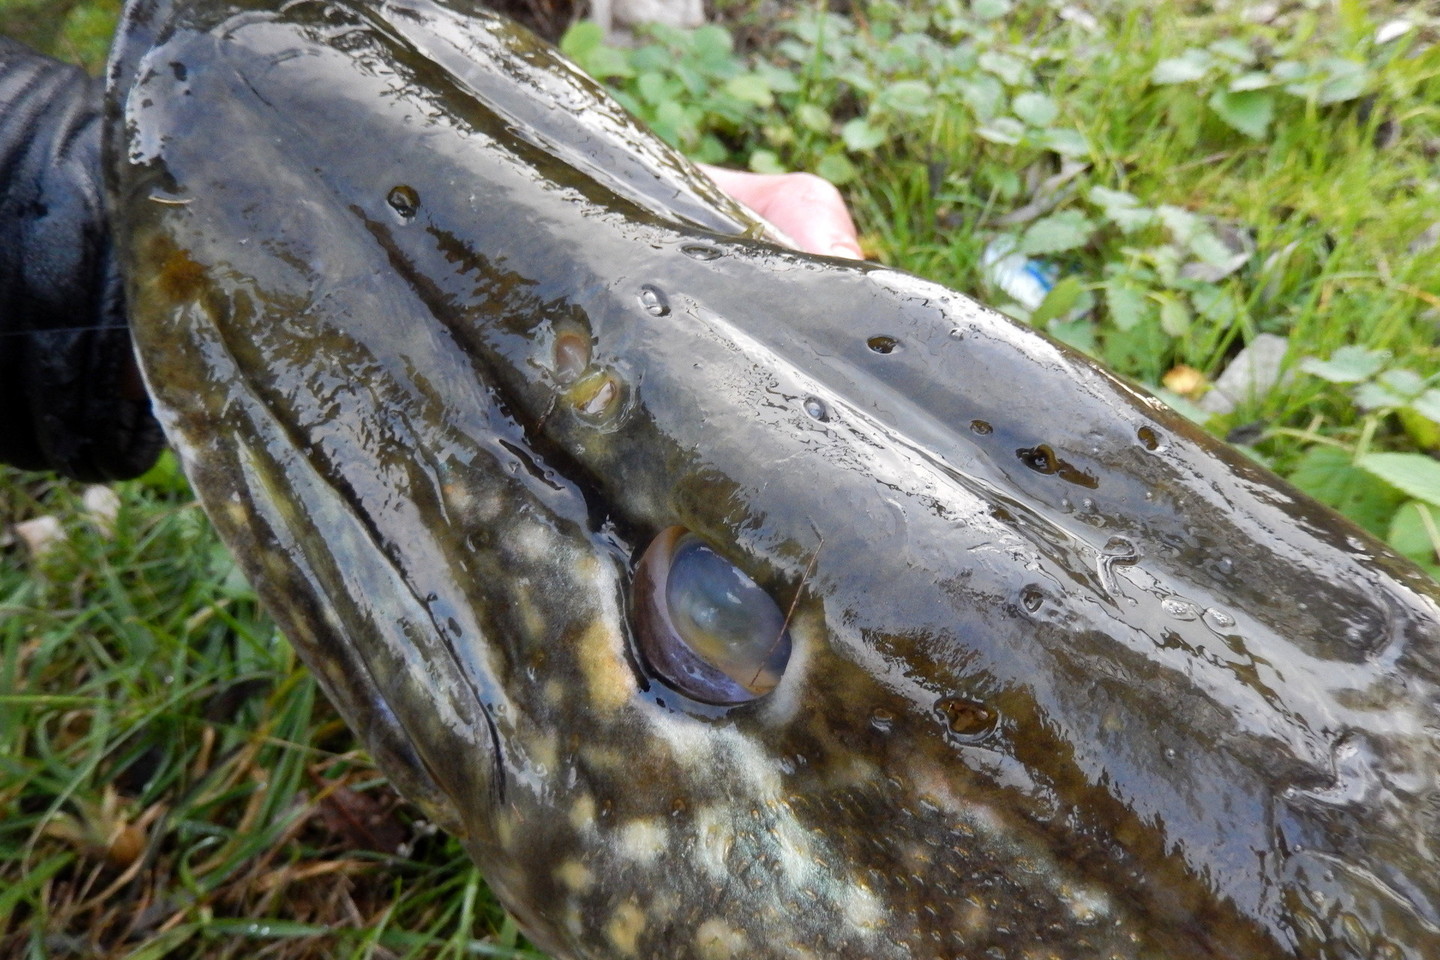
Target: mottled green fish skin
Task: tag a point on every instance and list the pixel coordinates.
(1070, 679)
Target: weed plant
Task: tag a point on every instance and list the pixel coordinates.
(1183, 177)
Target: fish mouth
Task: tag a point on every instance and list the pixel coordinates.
(438, 396)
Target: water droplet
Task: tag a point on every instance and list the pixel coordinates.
(882, 344)
(1041, 459)
(653, 299)
(572, 355)
(1225, 567)
(817, 410)
(1386, 950)
(595, 396)
(701, 251)
(882, 720)
(1352, 928)
(1170, 754)
(969, 719)
(1217, 619)
(957, 334)
(404, 201)
(1179, 608)
(981, 428)
(1149, 438)
(1120, 550)
(1032, 598)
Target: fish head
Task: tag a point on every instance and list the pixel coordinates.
(728, 601)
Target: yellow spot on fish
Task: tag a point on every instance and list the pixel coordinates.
(575, 875)
(642, 840)
(626, 925)
(862, 909)
(236, 513)
(717, 940)
(504, 829)
(582, 813)
(714, 838)
(1087, 905)
(555, 692)
(178, 278)
(974, 917)
(545, 752)
(608, 681)
(532, 619)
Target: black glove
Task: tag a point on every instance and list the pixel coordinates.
(71, 398)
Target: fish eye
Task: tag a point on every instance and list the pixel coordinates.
(704, 628)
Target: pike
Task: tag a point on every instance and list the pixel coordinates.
(530, 441)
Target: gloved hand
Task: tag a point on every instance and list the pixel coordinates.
(71, 398)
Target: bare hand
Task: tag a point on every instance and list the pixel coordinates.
(806, 207)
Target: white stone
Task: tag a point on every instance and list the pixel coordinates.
(1254, 372)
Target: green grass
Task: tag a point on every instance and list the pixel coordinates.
(171, 784)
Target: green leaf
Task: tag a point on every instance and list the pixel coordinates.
(1415, 532)
(1255, 80)
(836, 168)
(1130, 219)
(1414, 473)
(1059, 301)
(1427, 405)
(1012, 70)
(1181, 222)
(1329, 475)
(1215, 304)
(915, 97)
(1128, 304)
(1249, 111)
(1078, 333)
(1064, 141)
(1174, 316)
(1187, 68)
(606, 63)
(765, 161)
(812, 117)
(1349, 364)
(1406, 383)
(166, 475)
(984, 94)
(583, 37)
(1056, 233)
(1377, 396)
(712, 45)
(1289, 71)
(1002, 130)
(674, 123)
(990, 9)
(1035, 109)
(751, 88)
(861, 136)
(779, 79)
(1233, 49)
(1209, 248)
(656, 88)
(1107, 199)
(1347, 81)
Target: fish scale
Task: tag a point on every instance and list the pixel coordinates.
(444, 341)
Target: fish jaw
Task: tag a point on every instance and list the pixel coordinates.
(1067, 674)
